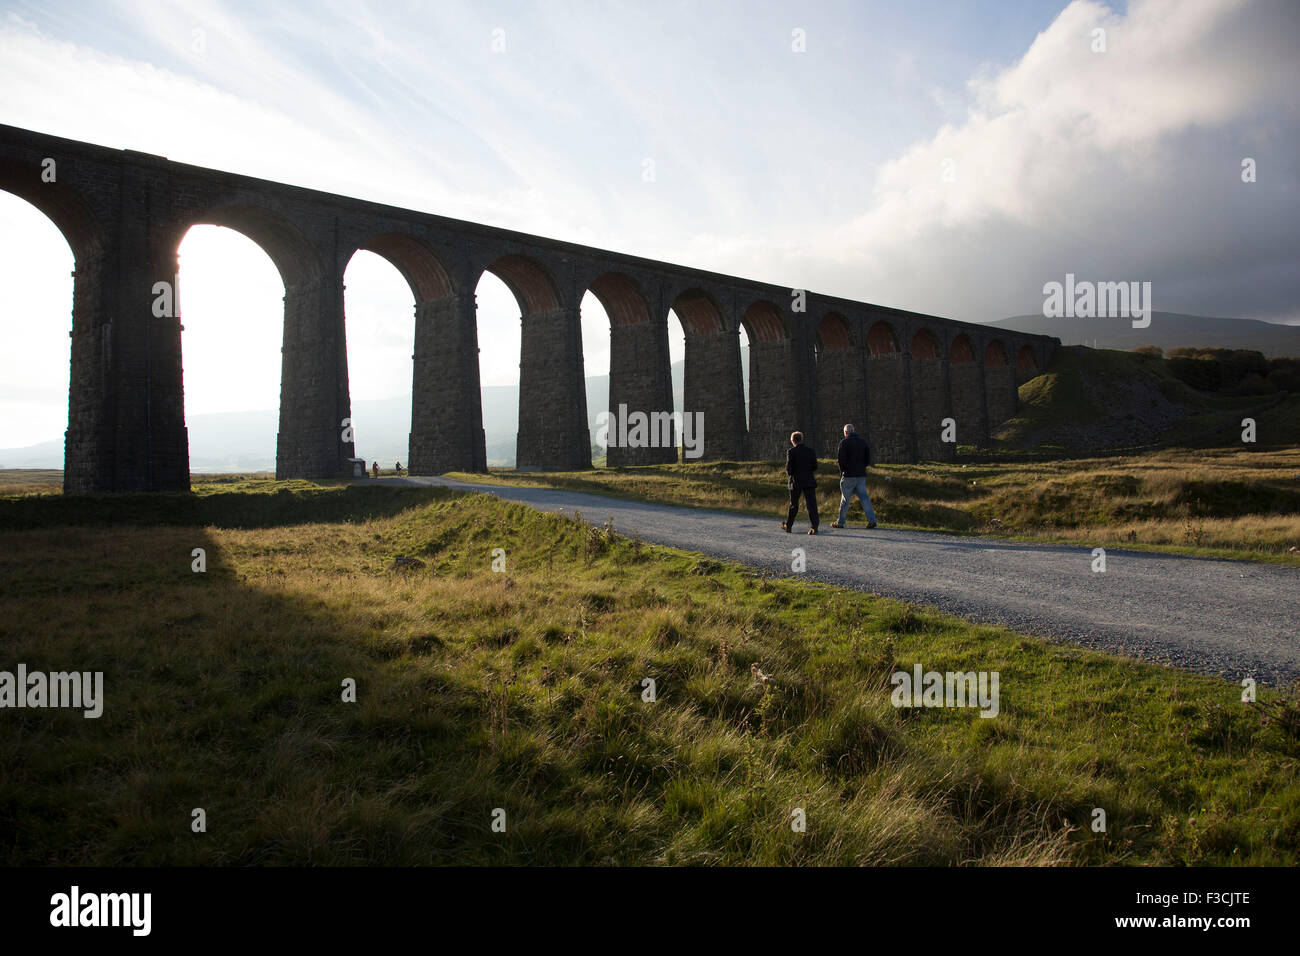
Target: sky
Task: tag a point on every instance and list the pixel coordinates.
(948, 158)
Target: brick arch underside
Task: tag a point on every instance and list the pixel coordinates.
(1026, 362)
(928, 372)
(699, 313)
(529, 282)
(295, 258)
(774, 407)
(961, 350)
(888, 402)
(446, 399)
(621, 298)
(966, 387)
(418, 264)
(89, 431)
(640, 377)
(881, 339)
(1001, 397)
(841, 385)
(924, 345)
(713, 387)
(314, 397)
(553, 428)
(60, 203)
(833, 332)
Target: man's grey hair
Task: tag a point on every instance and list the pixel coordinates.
(849, 429)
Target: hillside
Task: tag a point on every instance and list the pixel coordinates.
(1167, 330)
(1091, 400)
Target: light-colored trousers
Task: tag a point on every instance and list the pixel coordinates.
(855, 486)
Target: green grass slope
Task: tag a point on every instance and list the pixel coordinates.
(523, 690)
(1093, 400)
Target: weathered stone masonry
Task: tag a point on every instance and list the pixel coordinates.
(895, 374)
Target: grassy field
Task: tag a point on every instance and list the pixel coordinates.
(30, 481)
(522, 690)
(1214, 503)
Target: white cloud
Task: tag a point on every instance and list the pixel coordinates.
(1092, 159)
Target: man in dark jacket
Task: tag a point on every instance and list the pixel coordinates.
(855, 457)
(800, 463)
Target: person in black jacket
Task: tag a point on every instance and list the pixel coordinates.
(800, 463)
(855, 458)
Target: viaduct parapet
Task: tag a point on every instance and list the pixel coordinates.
(124, 215)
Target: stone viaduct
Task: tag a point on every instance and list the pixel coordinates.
(124, 214)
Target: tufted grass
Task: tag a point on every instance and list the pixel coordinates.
(521, 690)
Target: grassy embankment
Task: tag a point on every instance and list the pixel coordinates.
(522, 690)
(1092, 402)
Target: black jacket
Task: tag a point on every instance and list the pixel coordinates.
(800, 463)
(855, 456)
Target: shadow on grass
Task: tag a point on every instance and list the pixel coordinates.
(221, 510)
(225, 696)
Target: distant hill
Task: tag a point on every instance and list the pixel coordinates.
(46, 454)
(1167, 330)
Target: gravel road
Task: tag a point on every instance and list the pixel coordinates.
(1227, 618)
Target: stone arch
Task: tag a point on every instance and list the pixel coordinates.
(961, 351)
(529, 281)
(84, 358)
(774, 409)
(640, 377)
(931, 396)
(553, 427)
(999, 384)
(442, 425)
(314, 395)
(416, 261)
(764, 322)
(966, 390)
(293, 254)
(834, 333)
(713, 387)
(622, 298)
(841, 384)
(924, 345)
(881, 339)
(60, 203)
(1026, 363)
(889, 409)
(700, 313)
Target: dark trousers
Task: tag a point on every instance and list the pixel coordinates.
(810, 496)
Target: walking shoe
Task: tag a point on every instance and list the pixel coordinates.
(785, 527)
(812, 530)
(836, 524)
(871, 524)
